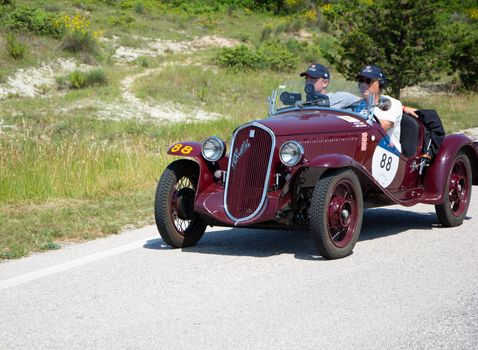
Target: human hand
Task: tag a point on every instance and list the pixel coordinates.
(410, 110)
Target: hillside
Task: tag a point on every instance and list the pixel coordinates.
(93, 92)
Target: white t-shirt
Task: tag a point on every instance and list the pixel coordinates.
(394, 114)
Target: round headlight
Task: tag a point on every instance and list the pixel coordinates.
(291, 153)
(213, 148)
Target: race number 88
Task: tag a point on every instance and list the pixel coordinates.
(184, 149)
(386, 162)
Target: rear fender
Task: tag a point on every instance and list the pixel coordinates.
(437, 173)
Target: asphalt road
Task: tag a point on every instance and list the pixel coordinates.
(410, 284)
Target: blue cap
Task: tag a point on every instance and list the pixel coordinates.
(316, 71)
(372, 72)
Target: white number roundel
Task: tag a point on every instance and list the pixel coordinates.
(385, 162)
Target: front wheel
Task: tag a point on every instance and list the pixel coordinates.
(457, 193)
(336, 214)
(177, 223)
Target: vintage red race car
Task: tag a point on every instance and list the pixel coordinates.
(313, 166)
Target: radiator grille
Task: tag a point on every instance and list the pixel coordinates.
(248, 171)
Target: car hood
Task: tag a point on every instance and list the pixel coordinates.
(307, 122)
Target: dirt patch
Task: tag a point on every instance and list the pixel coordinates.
(34, 81)
(158, 47)
(165, 111)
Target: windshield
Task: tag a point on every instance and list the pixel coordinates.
(296, 94)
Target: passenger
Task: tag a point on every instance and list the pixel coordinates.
(372, 80)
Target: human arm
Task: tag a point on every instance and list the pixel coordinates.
(386, 124)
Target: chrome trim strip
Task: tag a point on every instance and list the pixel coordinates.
(268, 175)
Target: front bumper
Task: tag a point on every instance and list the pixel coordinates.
(211, 203)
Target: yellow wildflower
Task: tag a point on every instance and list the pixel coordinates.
(473, 13)
(310, 15)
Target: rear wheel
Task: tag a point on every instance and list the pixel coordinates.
(336, 214)
(177, 223)
(457, 193)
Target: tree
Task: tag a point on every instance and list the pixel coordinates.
(401, 37)
(464, 57)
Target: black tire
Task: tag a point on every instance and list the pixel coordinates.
(336, 213)
(177, 223)
(457, 196)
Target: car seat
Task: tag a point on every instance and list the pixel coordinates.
(408, 135)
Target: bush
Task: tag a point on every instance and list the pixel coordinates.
(139, 8)
(81, 79)
(271, 55)
(15, 49)
(121, 19)
(34, 20)
(79, 36)
(78, 41)
(277, 57)
(142, 61)
(238, 58)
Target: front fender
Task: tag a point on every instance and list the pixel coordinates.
(317, 166)
(437, 173)
(205, 168)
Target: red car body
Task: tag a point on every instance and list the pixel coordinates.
(251, 187)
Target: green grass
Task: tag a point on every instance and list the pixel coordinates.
(457, 111)
(34, 227)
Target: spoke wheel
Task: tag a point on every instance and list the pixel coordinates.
(336, 214)
(177, 223)
(457, 193)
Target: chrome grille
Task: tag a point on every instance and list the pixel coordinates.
(248, 171)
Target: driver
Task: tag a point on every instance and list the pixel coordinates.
(372, 80)
(319, 76)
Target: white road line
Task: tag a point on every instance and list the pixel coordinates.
(27, 277)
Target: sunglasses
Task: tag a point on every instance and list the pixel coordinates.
(365, 80)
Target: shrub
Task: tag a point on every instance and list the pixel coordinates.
(15, 49)
(277, 57)
(81, 79)
(79, 36)
(32, 19)
(139, 8)
(142, 61)
(78, 41)
(271, 55)
(239, 57)
(121, 19)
